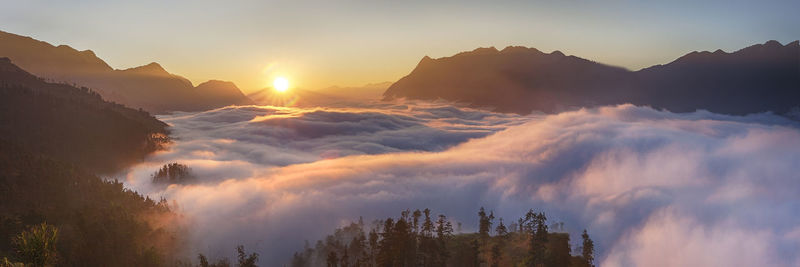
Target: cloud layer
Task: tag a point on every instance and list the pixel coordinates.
(649, 185)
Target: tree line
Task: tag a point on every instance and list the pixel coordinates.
(417, 238)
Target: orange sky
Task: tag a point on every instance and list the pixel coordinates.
(322, 43)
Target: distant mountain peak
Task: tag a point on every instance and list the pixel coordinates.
(770, 45)
(88, 52)
(218, 84)
(426, 59)
(215, 90)
(485, 50)
(518, 49)
(154, 66)
(773, 43)
(479, 51)
(151, 68)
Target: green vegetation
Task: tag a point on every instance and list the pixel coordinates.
(245, 260)
(416, 239)
(37, 245)
(100, 223)
(173, 173)
(54, 210)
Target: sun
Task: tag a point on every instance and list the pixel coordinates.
(280, 84)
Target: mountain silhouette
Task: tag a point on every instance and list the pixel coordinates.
(71, 124)
(149, 87)
(764, 77)
(759, 78)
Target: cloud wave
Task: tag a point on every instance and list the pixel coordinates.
(721, 190)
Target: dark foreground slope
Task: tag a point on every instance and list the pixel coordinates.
(763, 77)
(73, 124)
(149, 87)
(99, 222)
(52, 139)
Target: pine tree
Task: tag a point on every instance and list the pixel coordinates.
(587, 252)
(333, 259)
(373, 247)
(444, 231)
(484, 224)
(386, 253)
(345, 261)
(427, 244)
(246, 260)
(416, 216)
(501, 234)
(536, 223)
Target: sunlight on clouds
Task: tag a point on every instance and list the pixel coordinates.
(640, 180)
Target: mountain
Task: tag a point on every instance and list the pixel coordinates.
(760, 78)
(149, 87)
(72, 124)
(516, 79)
(54, 139)
(215, 91)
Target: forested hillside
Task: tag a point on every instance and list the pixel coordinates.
(54, 210)
(73, 124)
(99, 223)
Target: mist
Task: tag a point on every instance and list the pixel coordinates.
(647, 184)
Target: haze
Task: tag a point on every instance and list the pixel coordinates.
(322, 43)
(408, 133)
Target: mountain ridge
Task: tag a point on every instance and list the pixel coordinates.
(150, 87)
(758, 78)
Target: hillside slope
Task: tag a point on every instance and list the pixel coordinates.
(54, 138)
(73, 124)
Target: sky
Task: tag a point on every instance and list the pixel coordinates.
(348, 43)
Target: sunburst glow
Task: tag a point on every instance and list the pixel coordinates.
(280, 84)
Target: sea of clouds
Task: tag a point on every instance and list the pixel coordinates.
(653, 188)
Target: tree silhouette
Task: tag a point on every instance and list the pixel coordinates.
(333, 260)
(173, 173)
(587, 251)
(244, 259)
(396, 242)
(501, 234)
(537, 225)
